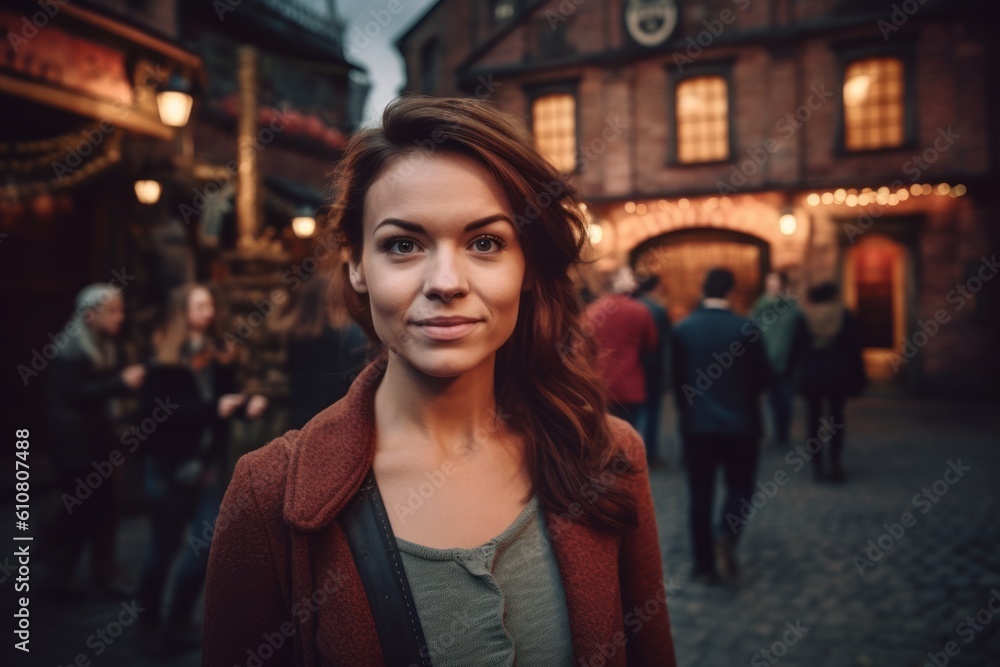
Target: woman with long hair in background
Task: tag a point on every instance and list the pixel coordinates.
(191, 394)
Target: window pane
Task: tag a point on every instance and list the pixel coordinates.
(873, 103)
(702, 119)
(553, 120)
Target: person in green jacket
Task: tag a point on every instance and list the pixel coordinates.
(776, 313)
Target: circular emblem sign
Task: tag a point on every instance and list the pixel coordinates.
(650, 22)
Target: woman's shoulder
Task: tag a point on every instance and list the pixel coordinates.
(262, 474)
(625, 438)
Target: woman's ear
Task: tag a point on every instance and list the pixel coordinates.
(356, 274)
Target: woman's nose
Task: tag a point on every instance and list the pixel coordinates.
(445, 278)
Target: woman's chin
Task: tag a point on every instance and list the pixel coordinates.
(447, 363)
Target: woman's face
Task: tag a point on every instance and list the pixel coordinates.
(108, 317)
(200, 309)
(441, 263)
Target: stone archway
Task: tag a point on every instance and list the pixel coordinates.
(682, 257)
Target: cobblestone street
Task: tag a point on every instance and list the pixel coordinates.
(798, 551)
(803, 601)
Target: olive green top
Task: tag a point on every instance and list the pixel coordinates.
(499, 604)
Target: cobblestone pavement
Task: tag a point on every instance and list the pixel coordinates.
(804, 601)
(908, 598)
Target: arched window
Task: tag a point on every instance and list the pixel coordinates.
(702, 119)
(873, 104)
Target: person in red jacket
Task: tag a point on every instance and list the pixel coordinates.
(625, 332)
(517, 513)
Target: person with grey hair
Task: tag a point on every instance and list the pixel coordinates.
(84, 377)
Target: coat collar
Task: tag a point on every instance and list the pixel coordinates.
(332, 455)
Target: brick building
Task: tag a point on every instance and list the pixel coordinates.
(834, 139)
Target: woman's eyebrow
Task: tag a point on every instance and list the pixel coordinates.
(419, 229)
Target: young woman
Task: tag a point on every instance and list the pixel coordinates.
(191, 394)
(519, 513)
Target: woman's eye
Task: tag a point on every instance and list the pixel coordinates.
(488, 244)
(401, 246)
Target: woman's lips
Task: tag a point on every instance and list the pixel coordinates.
(445, 330)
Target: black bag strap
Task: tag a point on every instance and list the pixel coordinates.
(369, 535)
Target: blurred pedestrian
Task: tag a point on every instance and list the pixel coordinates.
(325, 349)
(776, 313)
(720, 369)
(828, 351)
(656, 369)
(191, 394)
(84, 377)
(624, 332)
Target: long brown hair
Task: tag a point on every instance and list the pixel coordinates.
(170, 337)
(560, 408)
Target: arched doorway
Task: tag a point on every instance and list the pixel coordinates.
(877, 275)
(681, 259)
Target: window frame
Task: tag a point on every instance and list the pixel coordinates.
(721, 68)
(849, 53)
(563, 87)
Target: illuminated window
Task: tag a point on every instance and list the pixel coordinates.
(553, 121)
(702, 119)
(503, 9)
(873, 103)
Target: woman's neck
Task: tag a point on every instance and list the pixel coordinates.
(450, 417)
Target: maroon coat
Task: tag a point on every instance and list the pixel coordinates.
(283, 589)
(624, 331)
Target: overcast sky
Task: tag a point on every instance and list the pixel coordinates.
(379, 56)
